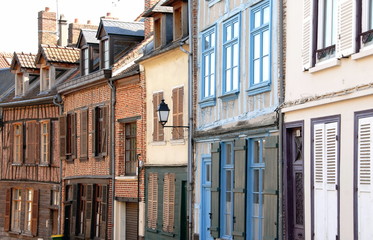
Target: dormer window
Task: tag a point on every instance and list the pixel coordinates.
(45, 78)
(106, 58)
(180, 20)
(157, 33)
(163, 30)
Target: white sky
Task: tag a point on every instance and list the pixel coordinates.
(18, 18)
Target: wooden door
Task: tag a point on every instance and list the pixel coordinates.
(206, 199)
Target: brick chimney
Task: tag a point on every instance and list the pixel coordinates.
(149, 21)
(74, 30)
(47, 27)
(109, 16)
(63, 31)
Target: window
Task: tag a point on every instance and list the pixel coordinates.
(327, 29)
(16, 210)
(44, 79)
(55, 202)
(260, 45)
(208, 63)
(157, 33)
(18, 143)
(158, 134)
(231, 56)
(82, 206)
(32, 142)
(106, 55)
(97, 211)
(256, 198)
(177, 112)
(178, 32)
(84, 134)
(55, 198)
(45, 142)
(28, 209)
(152, 200)
(168, 202)
(85, 61)
(366, 21)
(71, 136)
(130, 148)
(100, 133)
(227, 179)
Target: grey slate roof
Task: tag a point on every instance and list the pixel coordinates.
(158, 8)
(90, 36)
(6, 81)
(123, 28)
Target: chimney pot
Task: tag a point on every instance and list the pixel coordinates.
(89, 22)
(47, 9)
(76, 20)
(108, 14)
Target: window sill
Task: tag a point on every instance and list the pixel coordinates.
(207, 102)
(213, 2)
(177, 141)
(168, 234)
(44, 165)
(325, 65)
(16, 164)
(160, 143)
(99, 158)
(260, 88)
(152, 230)
(83, 159)
(126, 178)
(14, 232)
(364, 52)
(229, 96)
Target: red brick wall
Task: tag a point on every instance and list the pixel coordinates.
(47, 27)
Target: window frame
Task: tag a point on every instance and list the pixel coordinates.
(255, 166)
(28, 210)
(18, 145)
(45, 78)
(209, 99)
(16, 217)
(85, 60)
(227, 94)
(47, 142)
(131, 161)
(261, 86)
(226, 167)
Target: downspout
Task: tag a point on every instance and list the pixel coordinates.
(281, 116)
(190, 123)
(112, 150)
(57, 100)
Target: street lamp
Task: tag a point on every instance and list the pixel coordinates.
(163, 112)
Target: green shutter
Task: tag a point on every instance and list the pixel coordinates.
(239, 189)
(215, 190)
(270, 188)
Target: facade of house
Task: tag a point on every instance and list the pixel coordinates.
(328, 119)
(166, 72)
(236, 135)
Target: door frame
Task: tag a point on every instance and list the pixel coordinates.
(206, 158)
(286, 137)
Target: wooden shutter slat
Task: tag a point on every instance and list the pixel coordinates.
(10, 143)
(105, 132)
(345, 28)
(306, 34)
(88, 210)
(155, 118)
(74, 210)
(29, 141)
(215, 190)
(239, 189)
(104, 211)
(160, 128)
(175, 93)
(62, 122)
(270, 186)
(8, 203)
(181, 112)
(22, 142)
(35, 213)
(84, 133)
(153, 200)
(93, 132)
(73, 135)
(37, 141)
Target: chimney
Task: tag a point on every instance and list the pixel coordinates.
(109, 16)
(47, 28)
(63, 31)
(74, 30)
(149, 21)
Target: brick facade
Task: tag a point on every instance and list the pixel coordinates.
(47, 27)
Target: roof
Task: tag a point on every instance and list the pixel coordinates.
(6, 81)
(117, 27)
(5, 59)
(89, 36)
(25, 60)
(59, 54)
(170, 2)
(158, 8)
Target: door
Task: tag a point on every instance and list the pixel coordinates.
(295, 183)
(67, 222)
(206, 199)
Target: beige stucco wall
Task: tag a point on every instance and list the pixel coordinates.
(163, 73)
(346, 110)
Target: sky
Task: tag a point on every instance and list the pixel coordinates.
(19, 26)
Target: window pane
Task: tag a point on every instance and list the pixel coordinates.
(266, 15)
(228, 224)
(235, 30)
(266, 42)
(229, 57)
(207, 64)
(256, 71)
(206, 93)
(257, 19)
(256, 46)
(255, 228)
(212, 63)
(256, 151)
(266, 71)
(207, 42)
(212, 39)
(235, 55)
(256, 186)
(228, 154)
(228, 33)
(208, 172)
(235, 78)
(228, 82)
(229, 185)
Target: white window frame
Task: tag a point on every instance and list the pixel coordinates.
(44, 142)
(327, 23)
(208, 64)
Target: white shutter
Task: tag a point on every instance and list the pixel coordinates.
(365, 199)
(345, 42)
(325, 180)
(307, 34)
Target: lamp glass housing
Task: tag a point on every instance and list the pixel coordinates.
(163, 112)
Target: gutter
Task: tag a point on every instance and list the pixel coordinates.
(112, 150)
(28, 102)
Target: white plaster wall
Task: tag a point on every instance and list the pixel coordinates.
(346, 109)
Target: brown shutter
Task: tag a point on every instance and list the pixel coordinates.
(175, 108)
(29, 158)
(152, 200)
(88, 211)
(93, 132)
(215, 190)
(132, 209)
(37, 141)
(105, 132)
(83, 134)
(11, 143)
(160, 128)
(22, 142)
(74, 210)
(63, 129)
(168, 202)
(104, 211)
(8, 205)
(180, 112)
(73, 135)
(155, 118)
(35, 213)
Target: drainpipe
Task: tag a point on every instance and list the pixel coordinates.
(57, 100)
(112, 150)
(281, 115)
